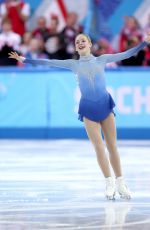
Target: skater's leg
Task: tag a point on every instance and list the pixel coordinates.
(109, 131)
(93, 132)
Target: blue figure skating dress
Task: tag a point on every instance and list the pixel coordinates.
(95, 103)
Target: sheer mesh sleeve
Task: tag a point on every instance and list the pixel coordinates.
(123, 55)
(67, 64)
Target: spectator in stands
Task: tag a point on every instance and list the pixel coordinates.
(103, 46)
(54, 22)
(130, 29)
(36, 49)
(138, 59)
(55, 47)
(18, 12)
(41, 31)
(42, 48)
(146, 61)
(69, 33)
(9, 41)
(24, 48)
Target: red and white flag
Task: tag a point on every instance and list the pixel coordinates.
(57, 8)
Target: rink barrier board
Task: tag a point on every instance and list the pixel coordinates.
(47, 125)
(68, 133)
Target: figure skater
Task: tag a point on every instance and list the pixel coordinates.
(96, 105)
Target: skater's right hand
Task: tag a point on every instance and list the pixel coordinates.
(147, 39)
(14, 55)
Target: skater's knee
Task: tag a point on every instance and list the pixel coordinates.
(99, 147)
(112, 148)
(97, 142)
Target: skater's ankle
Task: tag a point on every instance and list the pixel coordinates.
(108, 177)
(119, 177)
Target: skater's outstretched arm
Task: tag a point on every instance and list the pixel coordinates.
(67, 64)
(124, 55)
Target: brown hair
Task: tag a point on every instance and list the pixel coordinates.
(85, 35)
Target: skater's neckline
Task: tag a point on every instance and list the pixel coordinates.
(87, 57)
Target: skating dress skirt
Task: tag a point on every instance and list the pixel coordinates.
(96, 110)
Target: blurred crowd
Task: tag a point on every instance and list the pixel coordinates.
(46, 41)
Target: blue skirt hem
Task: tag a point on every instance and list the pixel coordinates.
(96, 111)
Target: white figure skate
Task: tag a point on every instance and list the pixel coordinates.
(110, 188)
(122, 188)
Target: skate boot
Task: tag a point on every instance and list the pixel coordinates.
(122, 188)
(110, 188)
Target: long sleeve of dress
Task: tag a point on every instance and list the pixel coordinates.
(123, 55)
(67, 64)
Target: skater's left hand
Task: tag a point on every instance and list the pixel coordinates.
(147, 39)
(16, 56)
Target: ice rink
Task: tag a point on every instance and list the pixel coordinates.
(58, 185)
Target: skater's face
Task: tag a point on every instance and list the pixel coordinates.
(83, 45)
